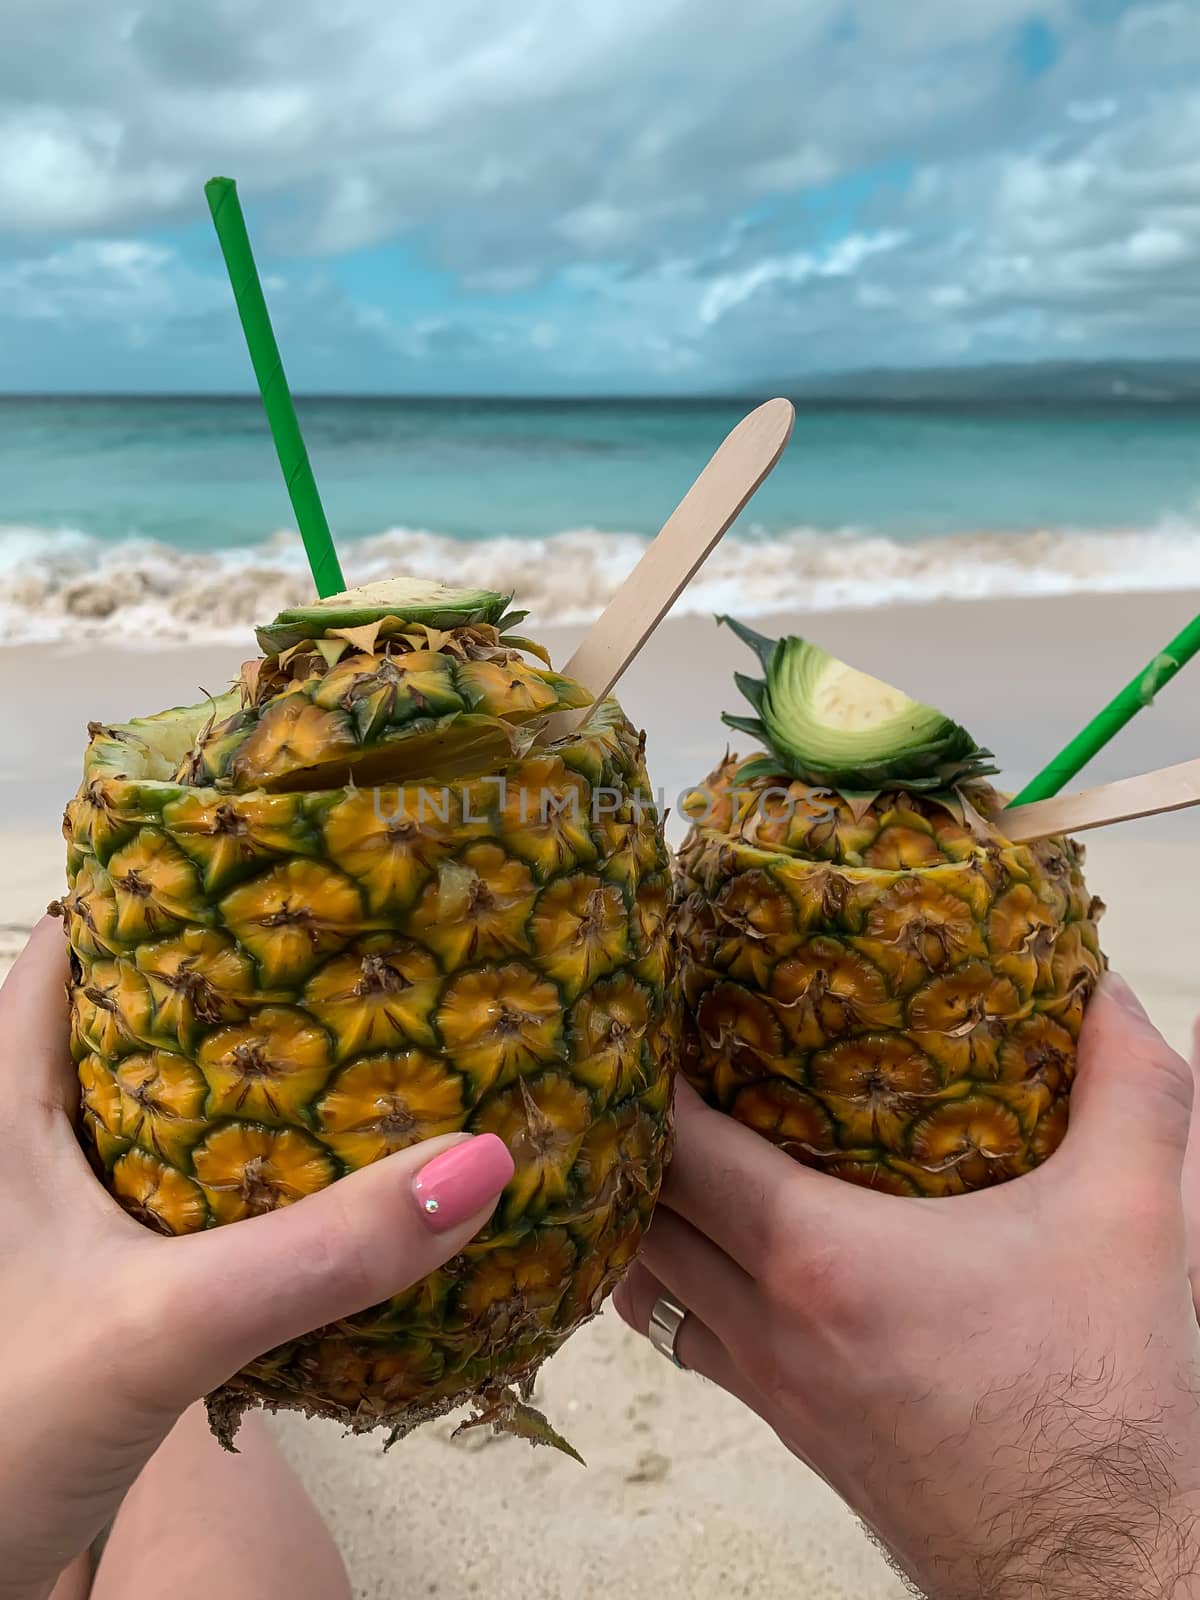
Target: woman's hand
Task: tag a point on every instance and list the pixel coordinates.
(109, 1331)
(1005, 1386)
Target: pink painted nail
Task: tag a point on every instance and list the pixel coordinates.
(462, 1181)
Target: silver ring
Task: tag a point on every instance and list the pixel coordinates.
(667, 1316)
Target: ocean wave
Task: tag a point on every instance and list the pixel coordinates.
(65, 585)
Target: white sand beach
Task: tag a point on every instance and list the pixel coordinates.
(684, 1494)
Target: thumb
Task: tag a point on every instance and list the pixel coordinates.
(234, 1292)
(1132, 1100)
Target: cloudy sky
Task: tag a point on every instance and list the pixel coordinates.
(595, 195)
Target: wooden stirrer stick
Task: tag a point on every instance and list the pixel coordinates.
(740, 464)
(1148, 795)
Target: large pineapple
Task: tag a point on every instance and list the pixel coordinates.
(355, 905)
(874, 977)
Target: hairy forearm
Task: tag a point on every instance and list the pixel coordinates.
(1094, 1493)
(1123, 1551)
(1128, 1551)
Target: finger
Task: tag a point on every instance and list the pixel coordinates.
(747, 1196)
(696, 1346)
(223, 1297)
(1131, 1104)
(34, 1024)
(704, 1279)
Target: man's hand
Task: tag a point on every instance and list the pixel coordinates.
(1005, 1386)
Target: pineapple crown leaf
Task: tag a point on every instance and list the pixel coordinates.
(753, 688)
(763, 647)
(756, 766)
(832, 726)
(751, 725)
(517, 641)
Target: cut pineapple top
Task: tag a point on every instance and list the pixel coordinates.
(828, 724)
(414, 599)
(846, 702)
(392, 683)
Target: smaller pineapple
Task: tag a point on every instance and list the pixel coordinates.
(874, 977)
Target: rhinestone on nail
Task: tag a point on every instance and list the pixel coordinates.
(431, 1206)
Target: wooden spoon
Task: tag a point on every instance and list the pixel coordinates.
(741, 462)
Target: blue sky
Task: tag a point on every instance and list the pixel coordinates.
(552, 196)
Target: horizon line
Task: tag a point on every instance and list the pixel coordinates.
(804, 388)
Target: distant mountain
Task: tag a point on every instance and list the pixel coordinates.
(1050, 383)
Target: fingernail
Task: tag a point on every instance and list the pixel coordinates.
(1118, 990)
(462, 1181)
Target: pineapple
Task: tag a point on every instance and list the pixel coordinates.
(354, 905)
(873, 976)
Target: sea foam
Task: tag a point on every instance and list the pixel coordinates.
(63, 584)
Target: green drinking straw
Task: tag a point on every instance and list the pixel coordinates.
(1120, 710)
(230, 224)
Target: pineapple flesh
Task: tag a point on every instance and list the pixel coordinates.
(355, 905)
(873, 976)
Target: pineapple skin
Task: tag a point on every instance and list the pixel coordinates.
(271, 990)
(885, 992)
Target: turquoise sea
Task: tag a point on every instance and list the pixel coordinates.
(158, 512)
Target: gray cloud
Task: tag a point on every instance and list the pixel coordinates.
(669, 162)
(540, 132)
